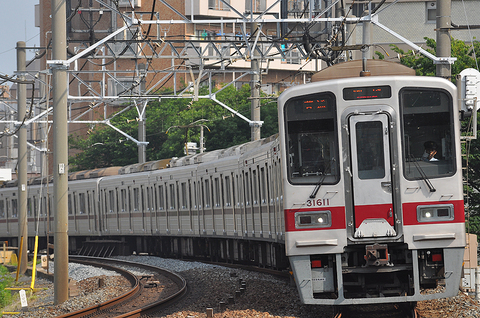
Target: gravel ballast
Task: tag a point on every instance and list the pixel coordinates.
(218, 288)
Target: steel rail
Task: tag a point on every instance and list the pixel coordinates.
(108, 264)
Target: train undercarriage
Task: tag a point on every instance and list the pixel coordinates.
(377, 273)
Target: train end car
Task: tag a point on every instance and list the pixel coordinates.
(373, 196)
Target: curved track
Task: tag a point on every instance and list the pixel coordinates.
(125, 305)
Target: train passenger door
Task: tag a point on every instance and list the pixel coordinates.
(371, 175)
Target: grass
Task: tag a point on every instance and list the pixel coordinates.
(5, 281)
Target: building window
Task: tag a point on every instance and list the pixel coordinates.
(359, 9)
(259, 6)
(430, 12)
(218, 5)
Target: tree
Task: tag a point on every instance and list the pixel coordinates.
(424, 66)
(105, 147)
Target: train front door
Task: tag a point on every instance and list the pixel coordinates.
(371, 175)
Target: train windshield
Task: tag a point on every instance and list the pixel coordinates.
(428, 144)
(312, 143)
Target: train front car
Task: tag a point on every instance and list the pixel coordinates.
(373, 189)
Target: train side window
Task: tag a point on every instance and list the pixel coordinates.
(34, 206)
(193, 195)
(29, 207)
(263, 187)
(130, 201)
(228, 194)
(14, 208)
(70, 209)
(74, 203)
(190, 195)
(142, 198)
(88, 206)
(2, 209)
(117, 200)
(183, 187)
(217, 192)
(207, 193)
(149, 198)
(81, 199)
(428, 133)
(123, 200)
(44, 206)
(172, 196)
(155, 198)
(161, 198)
(247, 189)
(111, 201)
(255, 186)
(136, 199)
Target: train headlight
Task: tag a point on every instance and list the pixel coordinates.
(313, 219)
(435, 213)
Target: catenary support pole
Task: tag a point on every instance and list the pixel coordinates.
(60, 151)
(444, 23)
(142, 134)
(255, 92)
(22, 157)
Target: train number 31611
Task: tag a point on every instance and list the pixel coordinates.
(318, 202)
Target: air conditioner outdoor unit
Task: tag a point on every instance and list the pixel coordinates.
(129, 3)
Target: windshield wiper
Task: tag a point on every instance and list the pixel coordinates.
(322, 179)
(422, 174)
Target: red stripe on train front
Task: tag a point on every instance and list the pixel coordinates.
(410, 212)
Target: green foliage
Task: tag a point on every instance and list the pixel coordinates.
(5, 280)
(425, 67)
(169, 126)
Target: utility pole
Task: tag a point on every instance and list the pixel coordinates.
(367, 53)
(22, 156)
(60, 151)
(256, 85)
(444, 46)
(142, 134)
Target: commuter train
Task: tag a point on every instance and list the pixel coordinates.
(360, 194)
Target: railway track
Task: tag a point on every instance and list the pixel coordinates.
(405, 310)
(148, 292)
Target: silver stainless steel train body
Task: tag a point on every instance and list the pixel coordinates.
(372, 189)
(224, 204)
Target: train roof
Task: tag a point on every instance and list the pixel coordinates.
(233, 151)
(353, 68)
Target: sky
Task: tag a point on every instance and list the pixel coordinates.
(18, 24)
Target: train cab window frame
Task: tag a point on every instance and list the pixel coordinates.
(428, 142)
(312, 142)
